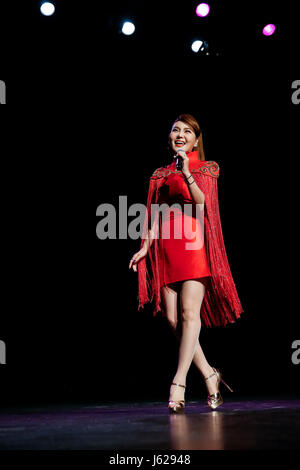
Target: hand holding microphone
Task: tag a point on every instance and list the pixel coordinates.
(182, 161)
(179, 159)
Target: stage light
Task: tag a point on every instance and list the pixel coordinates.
(201, 46)
(128, 28)
(269, 29)
(197, 45)
(47, 8)
(202, 9)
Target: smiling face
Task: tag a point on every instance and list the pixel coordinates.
(182, 137)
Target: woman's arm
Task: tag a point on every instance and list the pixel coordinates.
(149, 240)
(152, 215)
(137, 257)
(195, 192)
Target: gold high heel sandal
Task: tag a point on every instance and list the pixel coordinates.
(179, 404)
(215, 399)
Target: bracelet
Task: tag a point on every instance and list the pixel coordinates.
(188, 181)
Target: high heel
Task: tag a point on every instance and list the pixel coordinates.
(179, 404)
(215, 399)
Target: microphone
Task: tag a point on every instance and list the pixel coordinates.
(179, 160)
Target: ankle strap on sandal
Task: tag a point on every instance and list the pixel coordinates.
(173, 383)
(211, 375)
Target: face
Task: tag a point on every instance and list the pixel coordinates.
(182, 137)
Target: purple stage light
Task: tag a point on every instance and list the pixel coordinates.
(202, 9)
(269, 29)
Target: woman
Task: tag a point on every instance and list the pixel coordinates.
(189, 272)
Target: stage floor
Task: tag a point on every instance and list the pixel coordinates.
(264, 423)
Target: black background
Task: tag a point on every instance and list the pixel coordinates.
(87, 118)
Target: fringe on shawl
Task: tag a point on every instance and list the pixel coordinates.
(149, 286)
(221, 304)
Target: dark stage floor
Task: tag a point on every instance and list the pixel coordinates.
(272, 423)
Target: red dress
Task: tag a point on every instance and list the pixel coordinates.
(182, 252)
(174, 256)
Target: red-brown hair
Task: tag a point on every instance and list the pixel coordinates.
(193, 123)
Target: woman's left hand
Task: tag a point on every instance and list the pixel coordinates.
(185, 162)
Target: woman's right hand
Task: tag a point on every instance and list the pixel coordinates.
(137, 257)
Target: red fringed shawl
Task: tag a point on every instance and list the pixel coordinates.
(221, 304)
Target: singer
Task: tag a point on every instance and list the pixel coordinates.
(197, 283)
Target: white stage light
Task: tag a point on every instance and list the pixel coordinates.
(128, 28)
(47, 8)
(196, 45)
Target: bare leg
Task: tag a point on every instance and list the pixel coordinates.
(170, 301)
(201, 363)
(191, 296)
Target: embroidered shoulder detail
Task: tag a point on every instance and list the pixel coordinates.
(209, 167)
(159, 172)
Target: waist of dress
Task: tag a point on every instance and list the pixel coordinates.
(188, 211)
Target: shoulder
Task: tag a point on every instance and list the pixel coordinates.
(209, 167)
(206, 167)
(161, 171)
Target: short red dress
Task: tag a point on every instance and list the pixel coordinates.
(182, 253)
